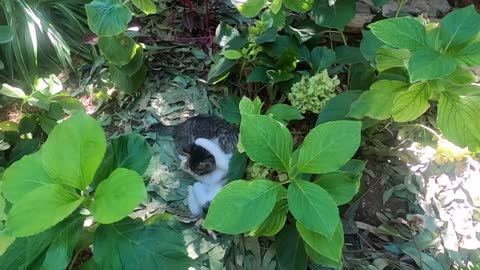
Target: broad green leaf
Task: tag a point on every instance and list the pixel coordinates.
(229, 109)
(232, 54)
(291, 252)
(336, 16)
(247, 106)
(275, 20)
(24, 176)
(118, 49)
(301, 6)
(349, 55)
(341, 187)
(46, 205)
(135, 63)
(74, 150)
(276, 6)
(322, 58)
(427, 64)
(146, 6)
(123, 184)
(11, 91)
(129, 151)
(268, 35)
(274, 222)
(237, 166)
(362, 76)
(131, 245)
(458, 119)
(279, 76)
(328, 247)
(258, 74)
(224, 34)
(321, 260)
(459, 26)
(107, 17)
(24, 147)
(329, 146)
(128, 84)
(5, 242)
(241, 206)
(284, 113)
(59, 254)
(6, 34)
(409, 104)
(266, 141)
(388, 58)
(369, 45)
(403, 33)
(354, 168)
(377, 103)
(220, 70)
(469, 56)
(312, 206)
(250, 8)
(461, 77)
(338, 107)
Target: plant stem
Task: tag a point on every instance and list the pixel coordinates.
(402, 3)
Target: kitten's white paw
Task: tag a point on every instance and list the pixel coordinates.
(202, 142)
(202, 193)
(195, 207)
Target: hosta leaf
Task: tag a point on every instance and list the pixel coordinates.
(336, 16)
(291, 253)
(322, 58)
(6, 34)
(390, 58)
(427, 64)
(131, 245)
(74, 150)
(284, 113)
(301, 6)
(460, 26)
(11, 91)
(329, 146)
(122, 183)
(312, 206)
(249, 8)
(470, 55)
(266, 141)
(338, 107)
(118, 49)
(274, 222)
(46, 205)
(341, 187)
(403, 33)
(458, 119)
(241, 206)
(24, 176)
(377, 103)
(409, 104)
(107, 17)
(146, 6)
(328, 247)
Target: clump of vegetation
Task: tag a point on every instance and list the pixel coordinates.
(312, 93)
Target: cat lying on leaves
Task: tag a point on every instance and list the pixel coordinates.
(205, 145)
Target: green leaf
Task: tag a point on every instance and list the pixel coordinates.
(107, 17)
(388, 58)
(291, 252)
(336, 16)
(237, 166)
(258, 74)
(247, 106)
(284, 113)
(274, 222)
(8, 126)
(24, 176)
(5, 242)
(275, 20)
(322, 58)
(268, 35)
(461, 77)
(312, 206)
(135, 63)
(6, 34)
(349, 55)
(408, 105)
(74, 150)
(459, 26)
(377, 103)
(301, 6)
(250, 8)
(403, 33)
(11, 91)
(330, 247)
(458, 119)
(321, 260)
(341, 187)
(427, 64)
(224, 34)
(241, 206)
(276, 6)
(229, 109)
(220, 70)
(128, 84)
(46, 205)
(329, 146)
(60, 252)
(146, 6)
(266, 141)
(338, 107)
(131, 244)
(469, 56)
(369, 45)
(279, 76)
(122, 183)
(232, 54)
(118, 49)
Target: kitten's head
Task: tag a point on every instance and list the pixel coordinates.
(199, 160)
